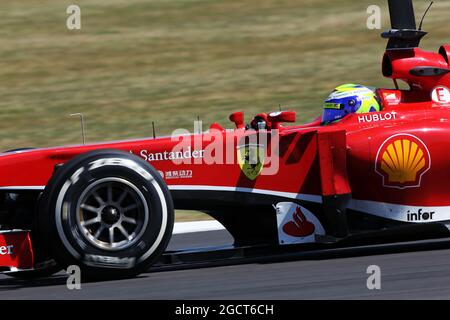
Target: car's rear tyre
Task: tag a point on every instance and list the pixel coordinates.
(107, 211)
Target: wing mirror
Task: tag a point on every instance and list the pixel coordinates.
(238, 119)
(276, 118)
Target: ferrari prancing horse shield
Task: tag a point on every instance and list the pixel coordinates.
(251, 159)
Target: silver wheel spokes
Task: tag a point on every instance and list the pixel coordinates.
(112, 214)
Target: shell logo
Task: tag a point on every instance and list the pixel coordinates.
(401, 160)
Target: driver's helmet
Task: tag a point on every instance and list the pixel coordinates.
(349, 98)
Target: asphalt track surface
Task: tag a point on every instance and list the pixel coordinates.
(421, 273)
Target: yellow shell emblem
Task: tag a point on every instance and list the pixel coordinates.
(402, 160)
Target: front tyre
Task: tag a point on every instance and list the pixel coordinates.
(107, 211)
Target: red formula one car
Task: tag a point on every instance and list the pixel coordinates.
(109, 207)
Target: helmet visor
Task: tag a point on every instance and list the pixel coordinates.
(333, 112)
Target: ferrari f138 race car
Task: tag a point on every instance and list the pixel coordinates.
(109, 207)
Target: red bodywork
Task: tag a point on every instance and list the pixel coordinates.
(16, 252)
(392, 162)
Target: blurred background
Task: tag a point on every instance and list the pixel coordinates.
(169, 61)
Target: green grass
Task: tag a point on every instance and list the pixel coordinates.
(188, 215)
(168, 61)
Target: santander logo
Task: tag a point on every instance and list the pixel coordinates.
(6, 250)
(299, 226)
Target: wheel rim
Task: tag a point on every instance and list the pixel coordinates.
(112, 214)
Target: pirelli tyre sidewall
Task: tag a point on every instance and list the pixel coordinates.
(72, 244)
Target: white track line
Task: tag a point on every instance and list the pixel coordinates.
(197, 226)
